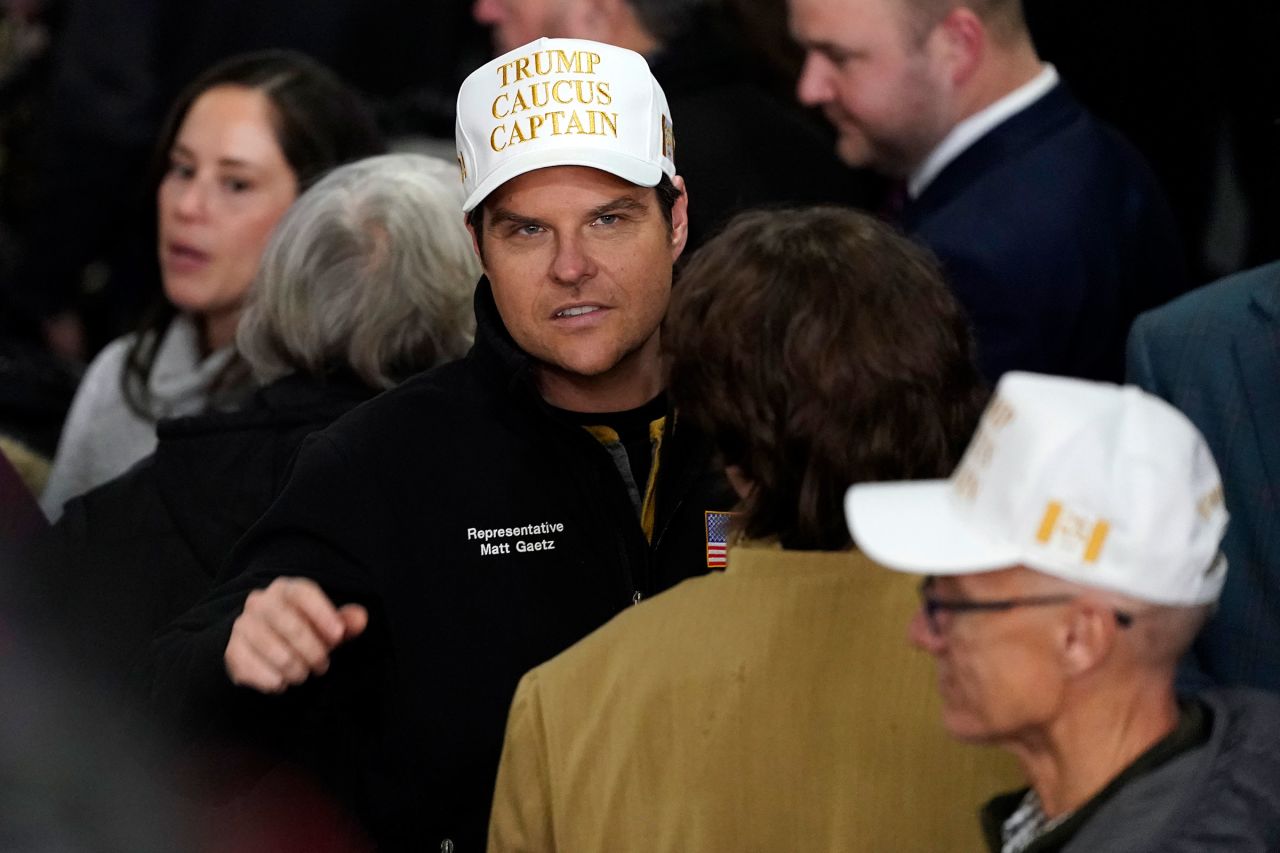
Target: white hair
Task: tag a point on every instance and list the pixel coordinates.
(370, 271)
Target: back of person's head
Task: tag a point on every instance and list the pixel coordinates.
(818, 347)
(320, 121)
(370, 272)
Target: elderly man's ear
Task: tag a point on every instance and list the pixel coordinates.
(1088, 636)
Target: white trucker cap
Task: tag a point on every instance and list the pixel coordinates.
(1098, 484)
(562, 102)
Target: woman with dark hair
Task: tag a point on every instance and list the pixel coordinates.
(239, 145)
(777, 705)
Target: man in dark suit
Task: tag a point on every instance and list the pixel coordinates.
(1052, 231)
(1215, 354)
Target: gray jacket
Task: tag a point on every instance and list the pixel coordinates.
(1221, 796)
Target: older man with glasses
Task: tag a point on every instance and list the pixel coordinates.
(1070, 560)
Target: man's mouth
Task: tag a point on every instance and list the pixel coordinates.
(577, 311)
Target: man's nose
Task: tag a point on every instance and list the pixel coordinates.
(921, 635)
(814, 86)
(573, 263)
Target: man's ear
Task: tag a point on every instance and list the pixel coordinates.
(1089, 635)
(475, 240)
(679, 220)
(962, 44)
(593, 19)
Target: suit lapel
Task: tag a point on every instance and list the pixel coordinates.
(1258, 360)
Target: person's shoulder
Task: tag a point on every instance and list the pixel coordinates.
(1075, 134)
(100, 394)
(438, 424)
(1056, 156)
(422, 401)
(109, 361)
(1235, 803)
(638, 638)
(1220, 306)
(1250, 715)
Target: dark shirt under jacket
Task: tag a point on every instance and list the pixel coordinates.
(1054, 235)
(485, 534)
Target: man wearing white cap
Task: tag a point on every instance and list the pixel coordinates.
(743, 142)
(475, 521)
(1070, 561)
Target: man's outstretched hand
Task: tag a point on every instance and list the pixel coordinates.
(286, 633)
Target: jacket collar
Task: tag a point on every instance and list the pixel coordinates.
(494, 349)
(1008, 140)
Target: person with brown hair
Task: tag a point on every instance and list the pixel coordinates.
(773, 706)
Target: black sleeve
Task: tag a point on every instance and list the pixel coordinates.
(327, 526)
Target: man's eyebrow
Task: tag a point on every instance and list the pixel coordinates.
(621, 203)
(501, 216)
(827, 48)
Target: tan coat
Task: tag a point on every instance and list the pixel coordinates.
(775, 707)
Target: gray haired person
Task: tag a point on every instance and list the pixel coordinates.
(367, 280)
(390, 225)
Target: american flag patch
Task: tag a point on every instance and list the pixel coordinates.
(717, 538)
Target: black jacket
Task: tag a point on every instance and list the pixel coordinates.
(399, 506)
(130, 556)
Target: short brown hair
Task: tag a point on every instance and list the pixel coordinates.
(820, 348)
(1003, 19)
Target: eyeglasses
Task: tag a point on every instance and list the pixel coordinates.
(935, 608)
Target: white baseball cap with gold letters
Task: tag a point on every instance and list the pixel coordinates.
(562, 102)
(1098, 484)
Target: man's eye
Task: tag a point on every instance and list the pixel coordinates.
(607, 218)
(529, 230)
(836, 56)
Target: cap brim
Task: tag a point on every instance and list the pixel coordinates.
(640, 172)
(914, 527)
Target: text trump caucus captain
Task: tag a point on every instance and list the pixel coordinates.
(519, 97)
